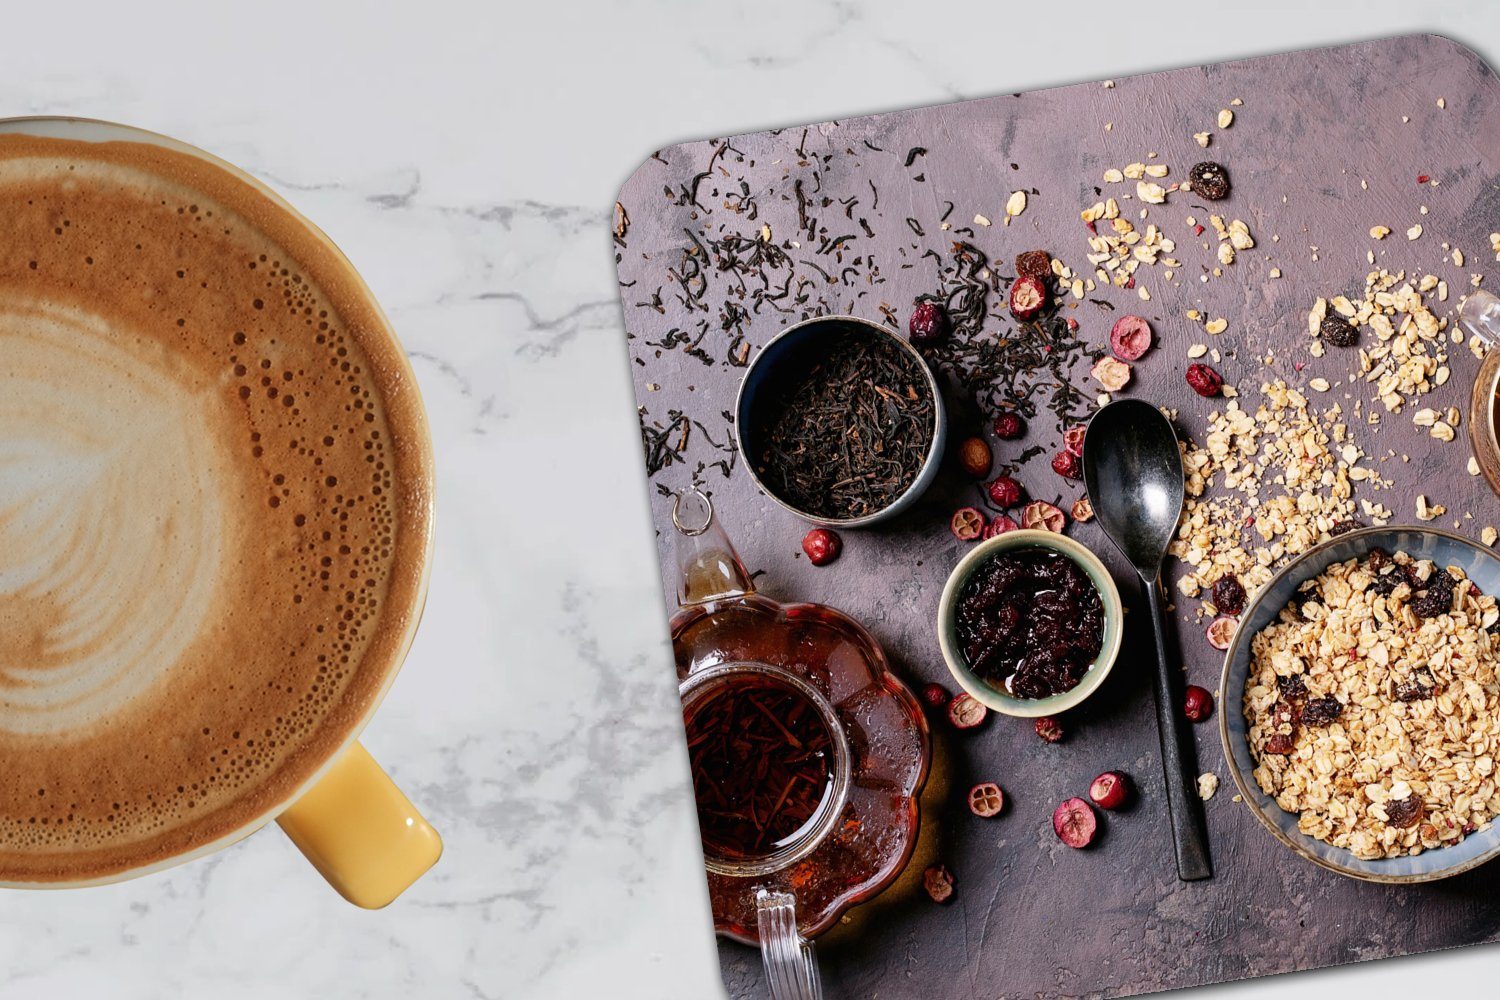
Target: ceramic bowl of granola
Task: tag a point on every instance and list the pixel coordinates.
(1360, 706)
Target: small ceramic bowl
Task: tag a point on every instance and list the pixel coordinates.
(1481, 565)
(798, 344)
(995, 698)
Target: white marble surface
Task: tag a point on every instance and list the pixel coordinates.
(465, 156)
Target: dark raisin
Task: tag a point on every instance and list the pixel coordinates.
(1343, 528)
(1338, 331)
(1378, 558)
(1210, 180)
(1417, 687)
(1229, 595)
(1386, 583)
(1034, 264)
(1283, 717)
(1293, 688)
(1302, 598)
(1432, 604)
(1322, 711)
(1404, 813)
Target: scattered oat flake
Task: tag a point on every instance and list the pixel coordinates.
(1216, 326)
(1226, 118)
(1379, 232)
(1487, 535)
(1415, 232)
(1016, 204)
(980, 220)
(1203, 138)
(1197, 351)
(1207, 785)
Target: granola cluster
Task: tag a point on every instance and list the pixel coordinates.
(1374, 708)
(1268, 484)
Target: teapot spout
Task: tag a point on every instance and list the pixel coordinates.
(708, 568)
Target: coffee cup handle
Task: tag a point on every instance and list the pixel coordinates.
(360, 832)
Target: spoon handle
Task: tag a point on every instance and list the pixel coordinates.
(1189, 837)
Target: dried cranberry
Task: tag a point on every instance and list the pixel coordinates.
(1074, 823)
(1034, 264)
(975, 456)
(938, 882)
(1073, 438)
(1049, 729)
(967, 524)
(1210, 180)
(1066, 464)
(1027, 297)
(1006, 492)
(965, 712)
(1204, 380)
(1220, 632)
(1404, 813)
(1338, 331)
(1228, 595)
(1322, 711)
(1110, 790)
(822, 546)
(935, 695)
(1284, 716)
(1009, 426)
(999, 525)
(986, 799)
(928, 323)
(1197, 703)
(1130, 337)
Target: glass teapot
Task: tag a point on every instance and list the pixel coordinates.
(1480, 316)
(847, 742)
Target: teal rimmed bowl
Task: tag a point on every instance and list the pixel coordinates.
(1481, 565)
(992, 697)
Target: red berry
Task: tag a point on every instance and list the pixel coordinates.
(1065, 463)
(1110, 790)
(1204, 380)
(1027, 297)
(999, 525)
(928, 323)
(1073, 438)
(986, 799)
(965, 712)
(935, 695)
(967, 524)
(1049, 729)
(938, 882)
(1006, 492)
(1074, 823)
(1197, 704)
(1130, 337)
(822, 546)
(1034, 264)
(975, 456)
(1009, 426)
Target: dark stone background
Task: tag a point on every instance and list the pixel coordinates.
(1032, 917)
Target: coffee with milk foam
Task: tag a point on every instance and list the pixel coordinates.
(213, 506)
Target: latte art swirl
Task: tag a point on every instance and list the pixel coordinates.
(93, 437)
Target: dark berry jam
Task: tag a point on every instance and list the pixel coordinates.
(1030, 622)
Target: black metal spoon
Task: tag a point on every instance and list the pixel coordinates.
(1133, 469)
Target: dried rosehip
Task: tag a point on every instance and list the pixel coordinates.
(938, 882)
(1204, 380)
(967, 524)
(822, 546)
(1034, 264)
(1110, 790)
(1210, 180)
(935, 695)
(1049, 729)
(1112, 374)
(1404, 813)
(986, 799)
(1322, 711)
(1043, 515)
(966, 712)
(1197, 703)
(1027, 297)
(1228, 595)
(975, 456)
(1066, 464)
(928, 323)
(1338, 331)
(1009, 426)
(1130, 337)
(1083, 510)
(1073, 438)
(1074, 823)
(999, 525)
(1006, 492)
(1220, 632)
